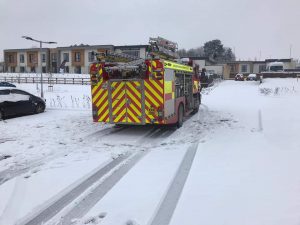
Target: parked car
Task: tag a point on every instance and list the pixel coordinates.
(6, 84)
(252, 76)
(15, 102)
(239, 77)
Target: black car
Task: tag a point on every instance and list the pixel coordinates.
(15, 102)
(6, 84)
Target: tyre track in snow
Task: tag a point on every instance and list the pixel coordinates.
(107, 177)
(47, 213)
(98, 192)
(167, 207)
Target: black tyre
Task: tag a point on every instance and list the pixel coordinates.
(39, 108)
(197, 104)
(1, 114)
(180, 116)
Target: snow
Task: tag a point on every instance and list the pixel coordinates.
(245, 170)
(245, 176)
(45, 75)
(136, 201)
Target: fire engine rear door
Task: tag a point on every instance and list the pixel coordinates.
(117, 109)
(127, 101)
(134, 102)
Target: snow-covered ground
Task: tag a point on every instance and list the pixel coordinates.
(245, 170)
(46, 75)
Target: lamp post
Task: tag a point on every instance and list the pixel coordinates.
(41, 42)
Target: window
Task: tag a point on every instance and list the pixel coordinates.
(22, 59)
(16, 91)
(66, 57)
(32, 58)
(12, 69)
(244, 68)
(32, 69)
(44, 69)
(133, 52)
(91, 56)
(43, 58)
(77, 56)
(22, 69)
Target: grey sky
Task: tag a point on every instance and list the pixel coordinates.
(249, 27)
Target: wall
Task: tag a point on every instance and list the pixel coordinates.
(219, 69)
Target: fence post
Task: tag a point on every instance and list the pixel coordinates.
(81, 81)
(73, 80)
(56, 80)
(64, 80)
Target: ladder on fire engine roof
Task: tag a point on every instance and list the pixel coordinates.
(163, 48)
(158, 48)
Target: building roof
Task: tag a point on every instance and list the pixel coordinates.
(279, 60)
(25, 50)
(246, 61)
(130, 46)
(82, 46)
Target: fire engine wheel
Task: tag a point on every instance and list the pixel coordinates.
(1, 115)
(180, 116)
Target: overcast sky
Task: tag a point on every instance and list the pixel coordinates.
(252, 28)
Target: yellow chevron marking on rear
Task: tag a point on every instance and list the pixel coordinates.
(102, 98)
(103, 116)
(103, 107)
(152, 100)
(156, 85)
(153, 63)
(120, 115)
(115, 91)
(132, 115)
(154, 93)
(115, 101)
(122, 103)
(137, 92)
(97, 95)
(133, 98)
(138, 111)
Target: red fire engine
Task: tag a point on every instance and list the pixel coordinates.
(156, 90)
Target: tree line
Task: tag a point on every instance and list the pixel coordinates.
(213, 50)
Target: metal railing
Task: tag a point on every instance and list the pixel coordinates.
(32, 80)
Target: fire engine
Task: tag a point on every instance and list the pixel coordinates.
(156, 90)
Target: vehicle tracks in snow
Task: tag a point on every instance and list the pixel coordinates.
(100, 183)
(168, 204)
(98, 192)
(57, 205)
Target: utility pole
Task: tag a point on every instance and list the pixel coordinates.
(41, 45)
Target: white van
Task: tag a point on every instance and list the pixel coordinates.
(275, 67)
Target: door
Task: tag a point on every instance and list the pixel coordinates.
(21, 102)
(117, 102)
(126, 102)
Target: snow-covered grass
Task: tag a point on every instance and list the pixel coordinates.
(45, 75)
(245, 170)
